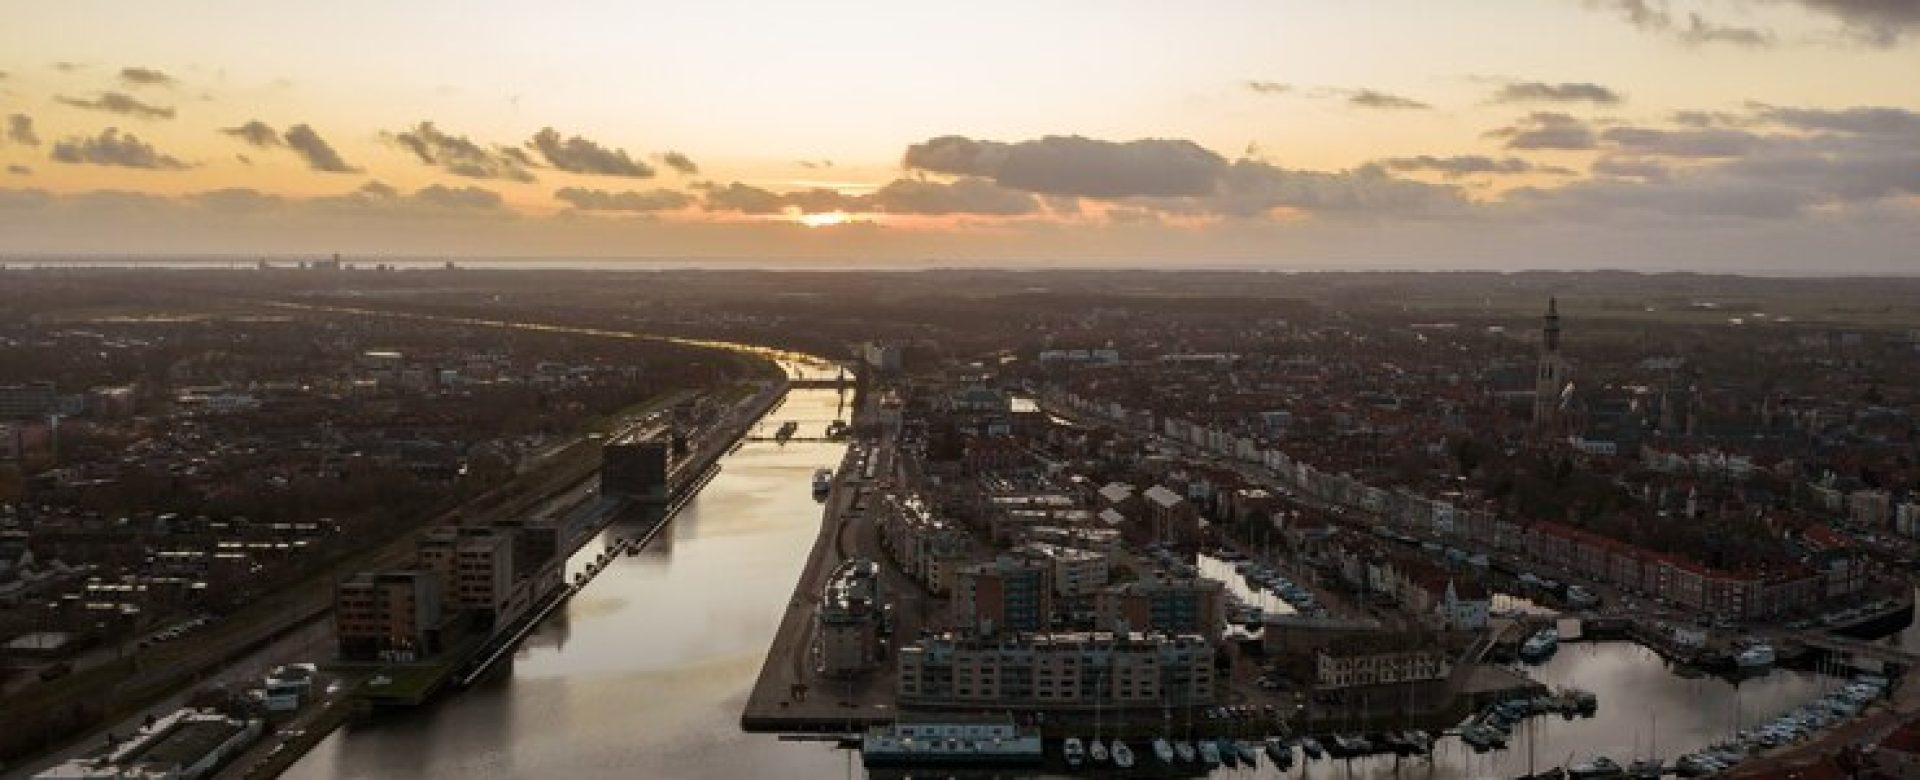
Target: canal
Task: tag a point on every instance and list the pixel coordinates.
(645, 672)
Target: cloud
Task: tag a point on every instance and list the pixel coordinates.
(680, 163)
(145, 77)
(237, 200)
(820, 200)
(301, 139)
(319, 155)
(1073, 165)
(744, 198)
(1175, 176)
(1876, 22)
(1367, 98)
(114, 148)
(20, 130)
(1654, 142)
(1815, 160)
(579, 155)
(256, 133)
(1629, 168)
(462, 157)
(19, 170)
(18, 199)
(1546, 130)
(630, 200)
(966, 195)
(1696, 118)
(458, 198)
(1698, 30)
(120, 103)
(1252, 188)
(378, 200)
(1864, 120)
(1654, 16)
(1268, 87)
(1569, 92)
(1467, 165)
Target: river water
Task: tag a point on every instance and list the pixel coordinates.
(644, 674)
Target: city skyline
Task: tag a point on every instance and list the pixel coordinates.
(1734, 135)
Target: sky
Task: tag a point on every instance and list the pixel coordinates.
(1778, 136)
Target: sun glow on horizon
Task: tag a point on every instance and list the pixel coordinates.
(824, 219)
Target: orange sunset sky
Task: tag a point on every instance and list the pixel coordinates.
(1756, 135)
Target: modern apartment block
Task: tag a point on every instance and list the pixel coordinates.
(1174, 606)
(1008, 594)
(1058, 670)
(388, 615)
(852, 618)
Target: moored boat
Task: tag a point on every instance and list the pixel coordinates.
(1184, 751)
(1209, 753)
(1598, 767)
(1539, 646)
(1757, 656)
(1163, 750)
(1122, 755)
(912, 741)
(1279, 752)
(1229, 753)
(1074, 751)
(1097, 751)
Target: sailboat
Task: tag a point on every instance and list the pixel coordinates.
(1184, 748)
(1163, 750)
(1122, 755)
(1075, 752)
(1098, 750)
(1209, 753)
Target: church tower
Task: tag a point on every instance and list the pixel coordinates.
(1551, 379)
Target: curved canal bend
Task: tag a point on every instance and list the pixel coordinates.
(646, 671)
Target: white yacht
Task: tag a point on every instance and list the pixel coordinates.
(1122, 755)
(1758, 656)
(1074, 751)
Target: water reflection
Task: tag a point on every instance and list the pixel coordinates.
(645, 673)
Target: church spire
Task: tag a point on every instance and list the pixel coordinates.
(1550, 381)
(1552, 329)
